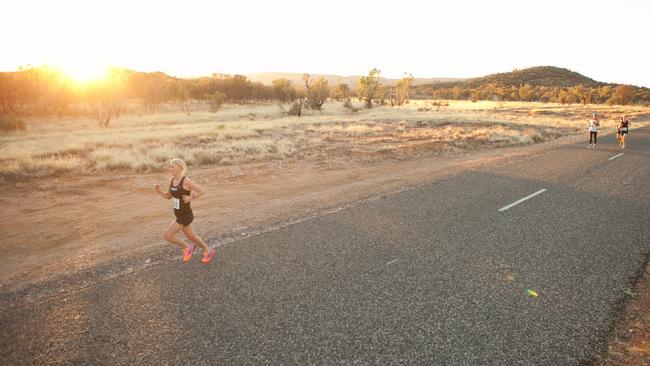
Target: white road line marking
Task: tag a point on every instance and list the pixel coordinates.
(522, 200)
(393, 261)
(616, 156)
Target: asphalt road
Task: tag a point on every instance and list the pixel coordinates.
(433, 275)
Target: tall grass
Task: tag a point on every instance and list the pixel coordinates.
(232, 136)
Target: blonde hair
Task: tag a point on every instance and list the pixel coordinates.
(179, 163)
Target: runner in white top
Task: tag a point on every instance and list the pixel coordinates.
(593, 131)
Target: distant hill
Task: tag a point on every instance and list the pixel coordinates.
(333, 80)
(535, 76)
(540, 83)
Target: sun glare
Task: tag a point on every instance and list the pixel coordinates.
(84, 73)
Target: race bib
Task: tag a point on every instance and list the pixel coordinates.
(624, 129)
(176, 203)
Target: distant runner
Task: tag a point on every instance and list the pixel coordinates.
(182, 191)
(622, 131)
(618, 132)
(593, 131)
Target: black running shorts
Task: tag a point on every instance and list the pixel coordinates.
(185, 218)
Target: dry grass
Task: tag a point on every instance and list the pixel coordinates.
(238, 134)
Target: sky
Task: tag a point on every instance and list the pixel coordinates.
(604, 40)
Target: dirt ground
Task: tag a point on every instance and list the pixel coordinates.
(630, 345)
(62, 224)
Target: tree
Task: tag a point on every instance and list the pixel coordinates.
(457, 93)
(203, 88)
(181, 94)
(216, 101)
(259, 91)
(623, 94)
(152, 89)
(105, 97)
(402, 89)
(61, 95)
(368, 87)
(29, 87)
(283, 90)
(8, 97)
(567, 97)
(341, 92)
(383, 92)
(316, 92)
(582, 94)
(238, 88)
(604, 93)
(525, 92)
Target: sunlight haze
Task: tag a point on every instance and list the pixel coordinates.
(600, 40)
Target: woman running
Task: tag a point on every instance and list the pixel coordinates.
(623, 129)
(182, 191)
(593, 131)
(618, 132)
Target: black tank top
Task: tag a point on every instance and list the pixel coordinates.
(624, 123)
(177, 194)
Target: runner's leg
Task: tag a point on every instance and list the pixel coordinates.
(187, 230)
(170, 235)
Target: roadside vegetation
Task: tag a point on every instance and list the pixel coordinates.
(264, 132)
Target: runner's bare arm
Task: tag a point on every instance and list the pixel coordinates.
(166, 194)
(197, 191)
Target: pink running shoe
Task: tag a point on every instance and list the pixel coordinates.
(207, 257)
(187, 253)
